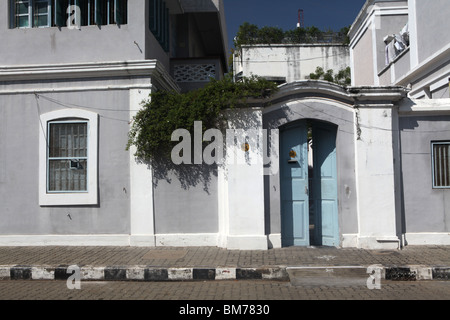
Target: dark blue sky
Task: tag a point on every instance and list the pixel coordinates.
(324, 14)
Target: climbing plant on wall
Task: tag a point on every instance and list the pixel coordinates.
(343, 77)
(166, 111)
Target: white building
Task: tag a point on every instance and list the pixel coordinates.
(403, 43)
(287, 63)
(378, 175)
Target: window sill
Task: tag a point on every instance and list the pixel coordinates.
(68, 199)
(118, 26)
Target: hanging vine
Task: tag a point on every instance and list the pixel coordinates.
(166, 111)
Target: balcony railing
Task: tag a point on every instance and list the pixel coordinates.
(194, 73)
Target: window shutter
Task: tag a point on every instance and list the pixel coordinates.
(84, 11)
(161, 6)
(60, 13)
(99, 5)
(121, 11)
(166, 31)
(153, 19)
(163, 23)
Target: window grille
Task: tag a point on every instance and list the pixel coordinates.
(67, 156)
(441, 164)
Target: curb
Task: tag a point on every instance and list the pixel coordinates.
(139, 273)
(146, 273)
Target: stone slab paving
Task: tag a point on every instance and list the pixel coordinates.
(212, 263)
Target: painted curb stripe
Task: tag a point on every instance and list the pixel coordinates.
(142, 273)
(20, 272)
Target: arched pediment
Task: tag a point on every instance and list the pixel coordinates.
(312, 88)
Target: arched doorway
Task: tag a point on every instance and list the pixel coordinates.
(308, 180)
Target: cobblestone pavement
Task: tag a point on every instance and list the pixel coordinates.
(213, 257)
(221, 290)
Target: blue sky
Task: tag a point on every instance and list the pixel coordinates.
(324, 14)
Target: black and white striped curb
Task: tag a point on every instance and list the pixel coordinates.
(139, 273)
(145, 273)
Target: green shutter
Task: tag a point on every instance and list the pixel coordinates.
(153, 16)
(158, 19)
(60, 12)
(83, 4)
(159, 22)
(121, 11)
(162, 9)
(100, 12)
(166, 31)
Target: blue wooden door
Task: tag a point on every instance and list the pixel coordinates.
(324, 185)
(294, 186)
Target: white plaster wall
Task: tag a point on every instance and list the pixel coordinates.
(243, 220)
(293, 62)
(375, 178)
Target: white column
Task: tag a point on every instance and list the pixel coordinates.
(141, 187)
(375, 178)
(413, 37)
(245, 181)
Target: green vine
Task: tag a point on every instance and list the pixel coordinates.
(343, 77)
(167, 111)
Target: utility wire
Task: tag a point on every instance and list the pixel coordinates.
(72, 106)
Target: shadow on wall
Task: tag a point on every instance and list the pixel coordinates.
(234, 137)
(188, 175)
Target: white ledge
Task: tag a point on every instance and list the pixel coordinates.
(86, 70)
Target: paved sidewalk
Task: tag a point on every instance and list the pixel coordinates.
(211, 263)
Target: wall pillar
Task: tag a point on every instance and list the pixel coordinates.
(142, 231)
(242, 195)
(375, 177)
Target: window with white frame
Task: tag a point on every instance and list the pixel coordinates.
(31, 13)
(441, 164)
(62, 13)
(68, 158)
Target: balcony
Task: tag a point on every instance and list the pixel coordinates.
(396, 69)
(397, 55)
(194, 73)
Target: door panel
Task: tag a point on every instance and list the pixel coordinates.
(325, 185)
(294, 186)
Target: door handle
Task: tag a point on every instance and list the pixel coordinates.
(306, 190)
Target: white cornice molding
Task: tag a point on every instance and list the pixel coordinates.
(352, 95)
(360, 97)
(377, 93)
(425, 106)
(90, 70)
